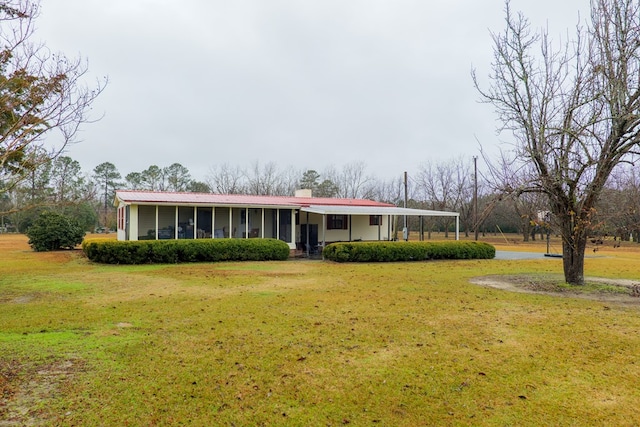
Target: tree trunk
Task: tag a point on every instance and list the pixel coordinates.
(574, 243)
(525, 230)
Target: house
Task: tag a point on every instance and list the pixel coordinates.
(303, 221)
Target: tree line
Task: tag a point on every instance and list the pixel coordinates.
(60, 184)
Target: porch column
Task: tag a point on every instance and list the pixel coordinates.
(293, 226)
(307, 245)
(195, 222)
(324, 229)
(262, 225)
(213, 222)
(175, 227)
(457, 227)
(230, 222)
(246, 222)
(156, 222)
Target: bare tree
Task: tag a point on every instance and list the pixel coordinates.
(497, 214)
(573, 110)
(351, 182)
(447, 186)
(264, 180)
(527, 207)
(41, 95)
(225, 179)
(618, 209)
(390, 191)
(268, 180)
(463, 188)
(289, 181)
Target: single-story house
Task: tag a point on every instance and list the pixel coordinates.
(303, 221)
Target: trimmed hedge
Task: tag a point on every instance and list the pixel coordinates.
(108, 251)
(407, 251)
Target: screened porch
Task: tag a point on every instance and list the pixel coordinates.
(161, 222)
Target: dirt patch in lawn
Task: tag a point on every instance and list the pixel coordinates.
(23, 389)
(622, 291)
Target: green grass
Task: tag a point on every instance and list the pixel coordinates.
(302, 343)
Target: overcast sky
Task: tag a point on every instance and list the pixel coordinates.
(305, 84)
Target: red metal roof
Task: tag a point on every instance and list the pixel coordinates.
(157, 197)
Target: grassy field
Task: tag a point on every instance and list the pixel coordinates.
(311, 343)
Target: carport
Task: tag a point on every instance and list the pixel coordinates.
(388, 211)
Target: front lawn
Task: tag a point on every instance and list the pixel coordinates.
(303, 343)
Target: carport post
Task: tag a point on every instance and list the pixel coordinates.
(307, 245)
(324, 228)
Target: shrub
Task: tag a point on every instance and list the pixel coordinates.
(109, 251)
(52, 231)
(407, 251)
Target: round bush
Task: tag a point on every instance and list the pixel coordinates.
(52, 231)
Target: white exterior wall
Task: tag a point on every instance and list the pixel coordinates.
(122, 233)
(133, 224)
(359, 224)
(361, 230)
(294, 238)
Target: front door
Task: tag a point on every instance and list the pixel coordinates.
(313, 234)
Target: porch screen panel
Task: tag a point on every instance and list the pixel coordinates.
(255, 223)
(166, 222)
(221, 226)
(285, 225)
(270, 223)
(185, 222)
(204, 223)
(239, 222)
(146, 222)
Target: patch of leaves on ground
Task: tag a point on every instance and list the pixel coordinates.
(556, 284)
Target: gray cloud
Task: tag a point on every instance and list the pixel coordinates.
(307, 84)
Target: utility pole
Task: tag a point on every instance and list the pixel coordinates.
(475, 196)
(405, 230)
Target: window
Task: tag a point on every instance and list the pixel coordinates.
(375, 219)
(337, 222)
(121, 218)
